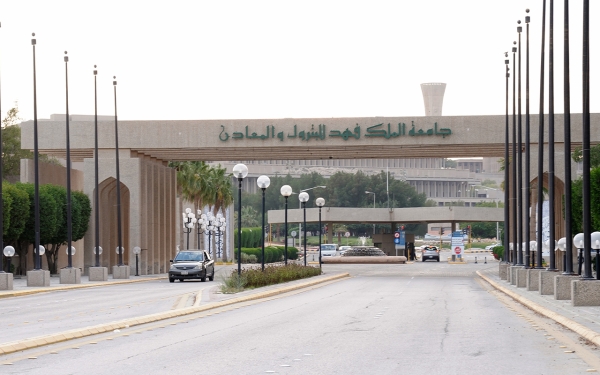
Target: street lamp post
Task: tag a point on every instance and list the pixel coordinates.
(519, 156)
(595, 239)
(568, 264)
(300, 206)
(220, 228)
(551, 189)
(206, 225)
(119, 229)
(68, 144)
(320, 203)
(514, 162)
(370, 192)
(585, 146)
(528, 241)
(540, 177)
(579, 243)
(303, 197)
(8, 252)
(96, 193)
(506, 240)
(263, 183)
(136, 251)
(36, 244)
(286, 191)
(188, 222)
(240, 171)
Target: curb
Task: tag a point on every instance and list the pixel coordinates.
(588, 334)
(18, 293)
(15, 346)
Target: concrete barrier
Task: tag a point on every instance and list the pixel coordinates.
(364, 260)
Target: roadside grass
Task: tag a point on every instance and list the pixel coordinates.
(251, 278)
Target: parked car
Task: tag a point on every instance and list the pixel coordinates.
(491, 247)
(430, 253)
(192, 264)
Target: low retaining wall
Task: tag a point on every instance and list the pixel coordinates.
(364, 260)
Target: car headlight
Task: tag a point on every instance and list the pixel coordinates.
(197, 267)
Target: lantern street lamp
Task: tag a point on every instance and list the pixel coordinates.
(286, 191)
(240, 171)
(188, 222)
(579, 243)
(136, 251)
(263, 183)
(595, 237)
(506, 174)
(219, 229)
(320, 203)
(207, 224)
(561, 244)
(9, 252)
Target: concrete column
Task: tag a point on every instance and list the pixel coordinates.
(546, 281)
(521, 277)
(330, 232)
(6, 281)
(502, 271)
(585, 292)
(562, 285)
(533, 279)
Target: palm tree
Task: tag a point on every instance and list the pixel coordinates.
(222, 191)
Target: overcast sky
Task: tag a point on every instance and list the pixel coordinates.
(219, 59)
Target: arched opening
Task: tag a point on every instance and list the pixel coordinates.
(108, 222)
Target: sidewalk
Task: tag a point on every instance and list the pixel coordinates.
(584, 320)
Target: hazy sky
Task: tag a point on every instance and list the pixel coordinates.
(219, 59)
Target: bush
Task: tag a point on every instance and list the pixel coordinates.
(498, 252)
(233, 284)
(255, 277)
(249, 258)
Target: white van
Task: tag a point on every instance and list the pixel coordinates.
(329, 249)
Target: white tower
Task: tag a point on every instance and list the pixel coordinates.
(433, 96)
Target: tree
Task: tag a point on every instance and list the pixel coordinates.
(11, 144)
(577, 155)
(48, 222)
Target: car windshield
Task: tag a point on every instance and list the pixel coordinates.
(327, 247)
(188, 256)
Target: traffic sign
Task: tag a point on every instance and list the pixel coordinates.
(396, 240)
(397, 235)
(457, 250)
(347, 234)
(293, 233)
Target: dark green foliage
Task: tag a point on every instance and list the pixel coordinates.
(498, 252)
(85, 211)
(251, 237)
(273, 254)
(256, 278)
(18, 212)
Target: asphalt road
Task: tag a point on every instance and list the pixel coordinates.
(421, 318)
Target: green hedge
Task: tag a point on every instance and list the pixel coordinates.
(272, 253)
(499, 251)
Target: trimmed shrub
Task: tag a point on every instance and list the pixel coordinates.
(256, 278)
(498, 252)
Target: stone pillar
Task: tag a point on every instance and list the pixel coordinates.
(546, 280)
(121, 272)
(585, 292)
(70, 275)
(6, 281)
(513, 274)
(38, 278)
(329, 232)
(98, 273)
(533, 279)
(521, 277)
(502, 271)
(562, 286)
